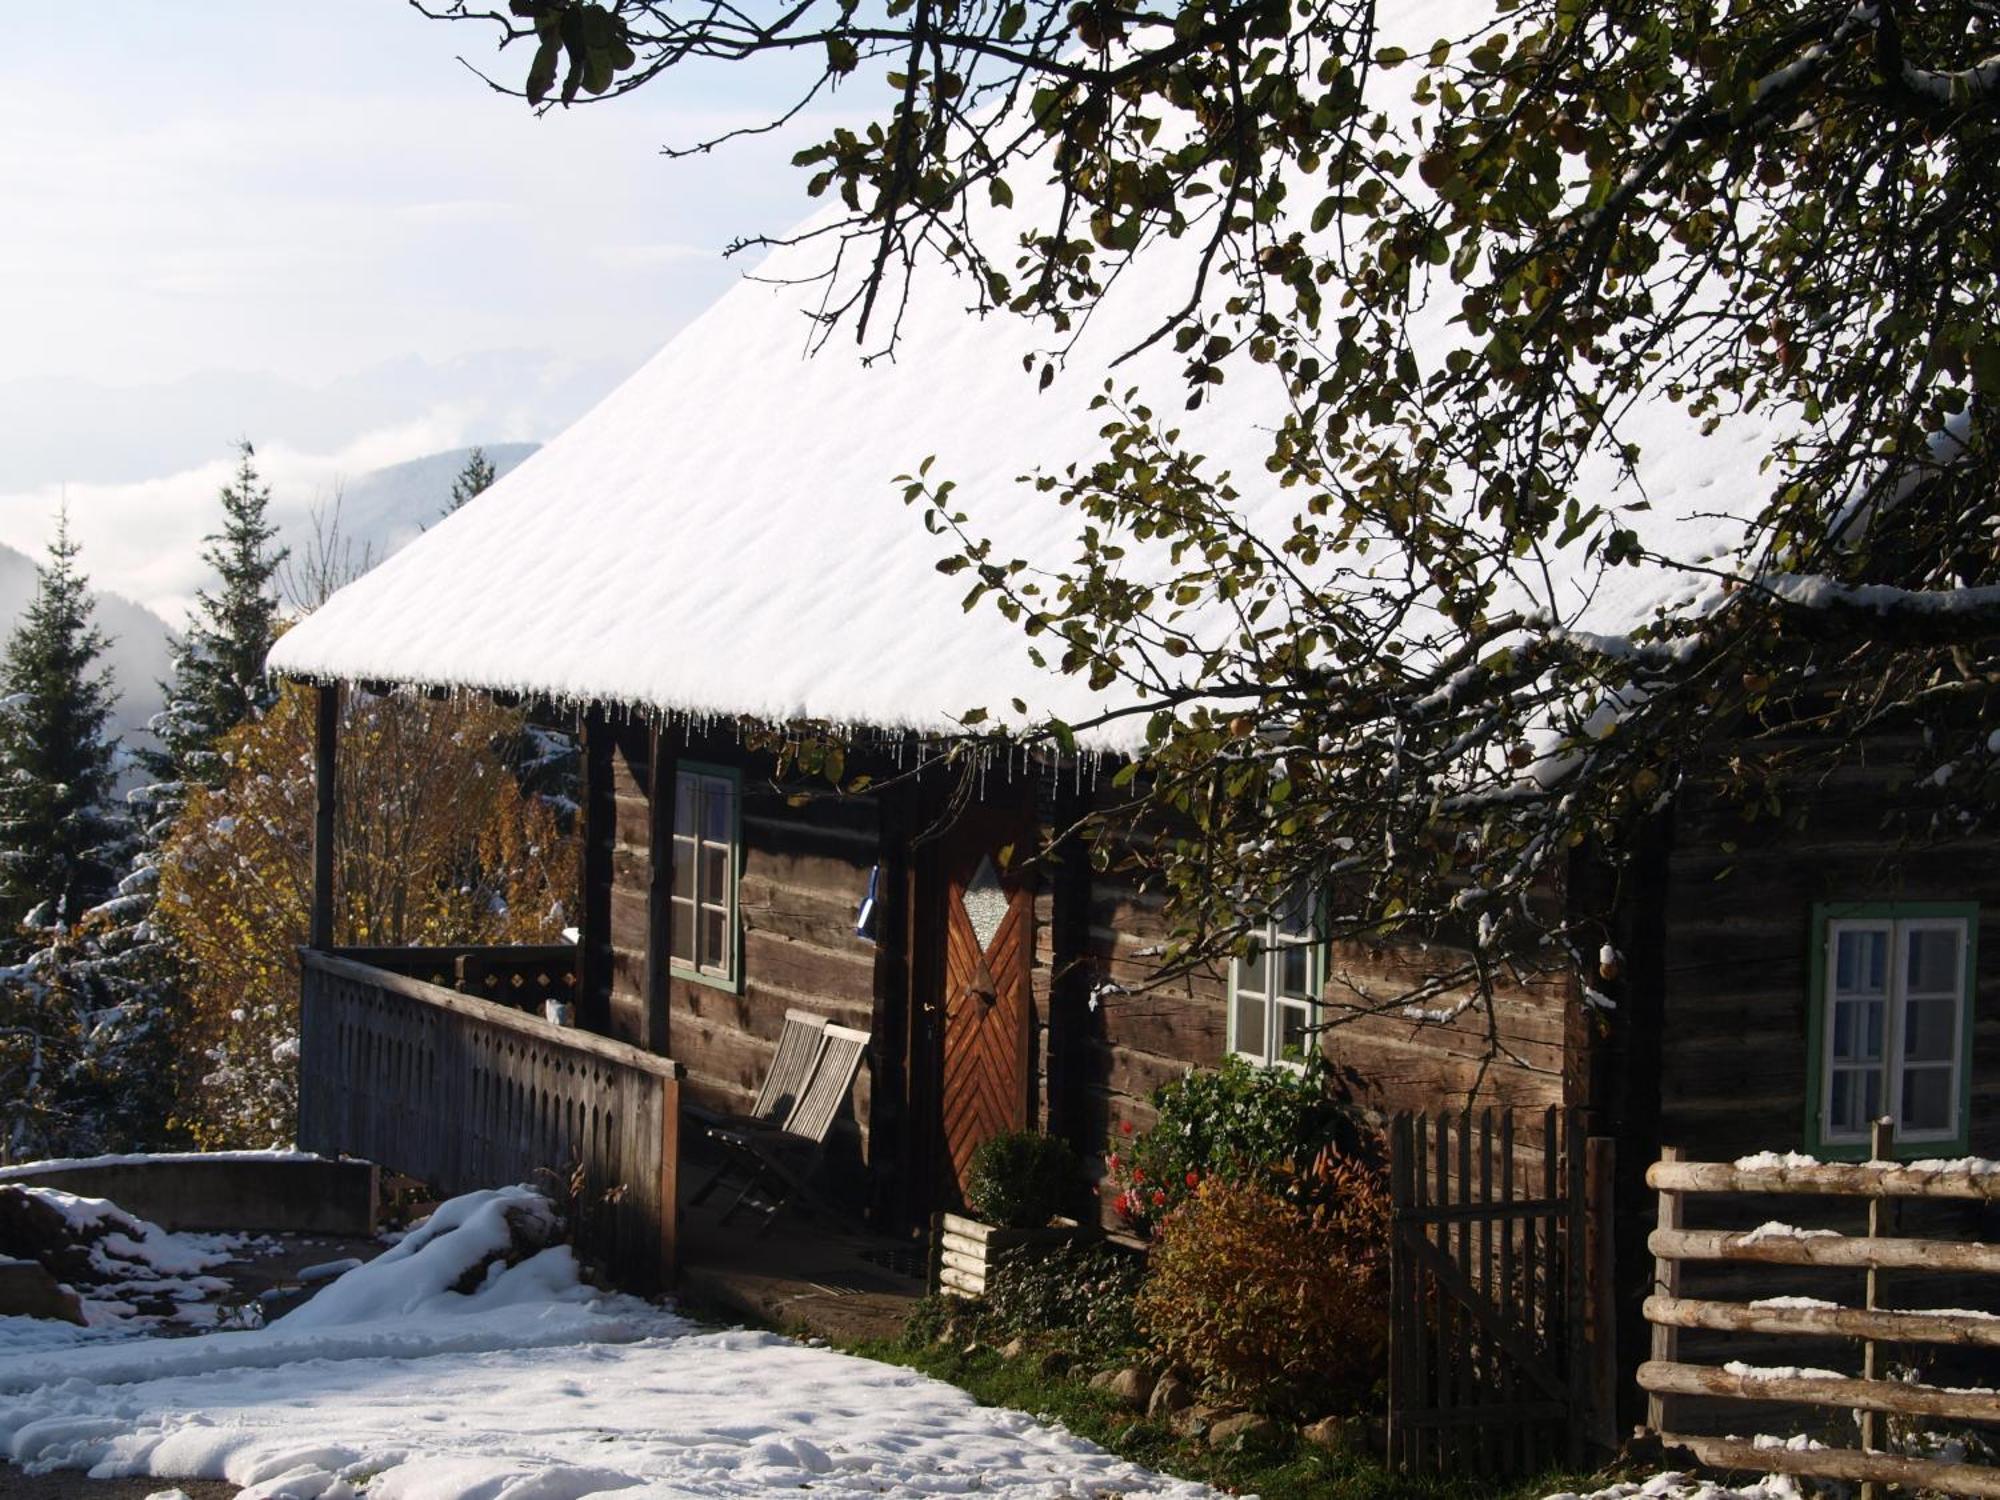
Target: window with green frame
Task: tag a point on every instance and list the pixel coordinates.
(1274, 987)
(702, 940)
(1891, 1031)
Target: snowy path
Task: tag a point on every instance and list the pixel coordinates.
(531, 1388)
(679, 1413)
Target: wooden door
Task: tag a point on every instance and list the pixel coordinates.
(989, 937)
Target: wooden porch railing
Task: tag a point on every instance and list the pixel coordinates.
(463, 1093)
(521, 975)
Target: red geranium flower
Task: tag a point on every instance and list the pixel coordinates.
(1159, 1197)
(1113, 1161)
(1193, 1179)
(1125, 1127)
(1138, 1174)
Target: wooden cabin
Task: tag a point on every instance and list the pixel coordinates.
(720, 556)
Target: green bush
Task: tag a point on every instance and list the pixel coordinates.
(1240, 1123)
(1019, 1179)
(1262, 1301)
(1082, 1289)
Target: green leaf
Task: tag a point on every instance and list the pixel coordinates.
(842, 56)
(542, 71)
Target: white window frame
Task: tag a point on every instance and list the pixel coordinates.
(1894, 1068)
(699, 782)
(1273, 936)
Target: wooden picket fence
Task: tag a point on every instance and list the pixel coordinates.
(1500, 1356)
(1667, 1376)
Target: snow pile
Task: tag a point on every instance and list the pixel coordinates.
(129, 1273)
(471, 1249)
(526, 1386)
(1678, 1486)
(1764, 1161)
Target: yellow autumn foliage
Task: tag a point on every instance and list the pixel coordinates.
(436, 844)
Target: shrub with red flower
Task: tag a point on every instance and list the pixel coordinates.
(1237, 1123)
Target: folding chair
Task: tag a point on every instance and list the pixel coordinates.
(784, 1081)
(781, 1160)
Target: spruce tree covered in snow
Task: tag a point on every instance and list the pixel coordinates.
(219, 676)
(218, 682)
(477, 475)
(62, 840)
(62, 843)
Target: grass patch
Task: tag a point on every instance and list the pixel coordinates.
(1295, 1471)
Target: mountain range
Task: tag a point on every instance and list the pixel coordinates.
(379, 512)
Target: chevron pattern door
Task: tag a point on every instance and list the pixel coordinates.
(989, 935)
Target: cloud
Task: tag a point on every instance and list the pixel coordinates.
(144, 539)
(651, 257)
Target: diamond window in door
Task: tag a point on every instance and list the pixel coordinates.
(985, 902)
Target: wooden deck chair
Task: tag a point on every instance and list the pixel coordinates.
(784, 1081)
(781, 1161)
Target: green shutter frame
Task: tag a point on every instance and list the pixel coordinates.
(732, 982)
(1816, 1021)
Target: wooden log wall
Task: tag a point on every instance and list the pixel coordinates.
(1737, 974)
(803, 873)
(1735, 998)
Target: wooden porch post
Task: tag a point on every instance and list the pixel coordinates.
(326, 734)
(600, 814)
(661, 768)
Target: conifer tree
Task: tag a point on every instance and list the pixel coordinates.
(62, 844)
(219, 679)
(62, 841)
(476, 476)
(218, 683)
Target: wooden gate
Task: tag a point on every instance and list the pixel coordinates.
(1491, 1366)
(989, 937)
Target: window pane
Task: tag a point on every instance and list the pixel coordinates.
(1250, 1025)
(1857, 1030)
(1841, 1102)
(685, 789)
(1930, 1030)
(681, 944)
(1861, 961)
(1927, 1099)
(1292, 1036)
(684, 868)
(714, 873)
(1933, 963)
(714, 928)
(718, 813)
(1295, 970)
(1295, 911)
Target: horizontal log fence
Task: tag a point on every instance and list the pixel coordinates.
(1667, 1376)
(463, 1093)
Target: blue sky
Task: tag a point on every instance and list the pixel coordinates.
(307, 223)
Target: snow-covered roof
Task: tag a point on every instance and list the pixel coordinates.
(724, 536)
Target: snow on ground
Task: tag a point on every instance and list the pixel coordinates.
(1676, 1486)
(140, 1277)
(529, 1386)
